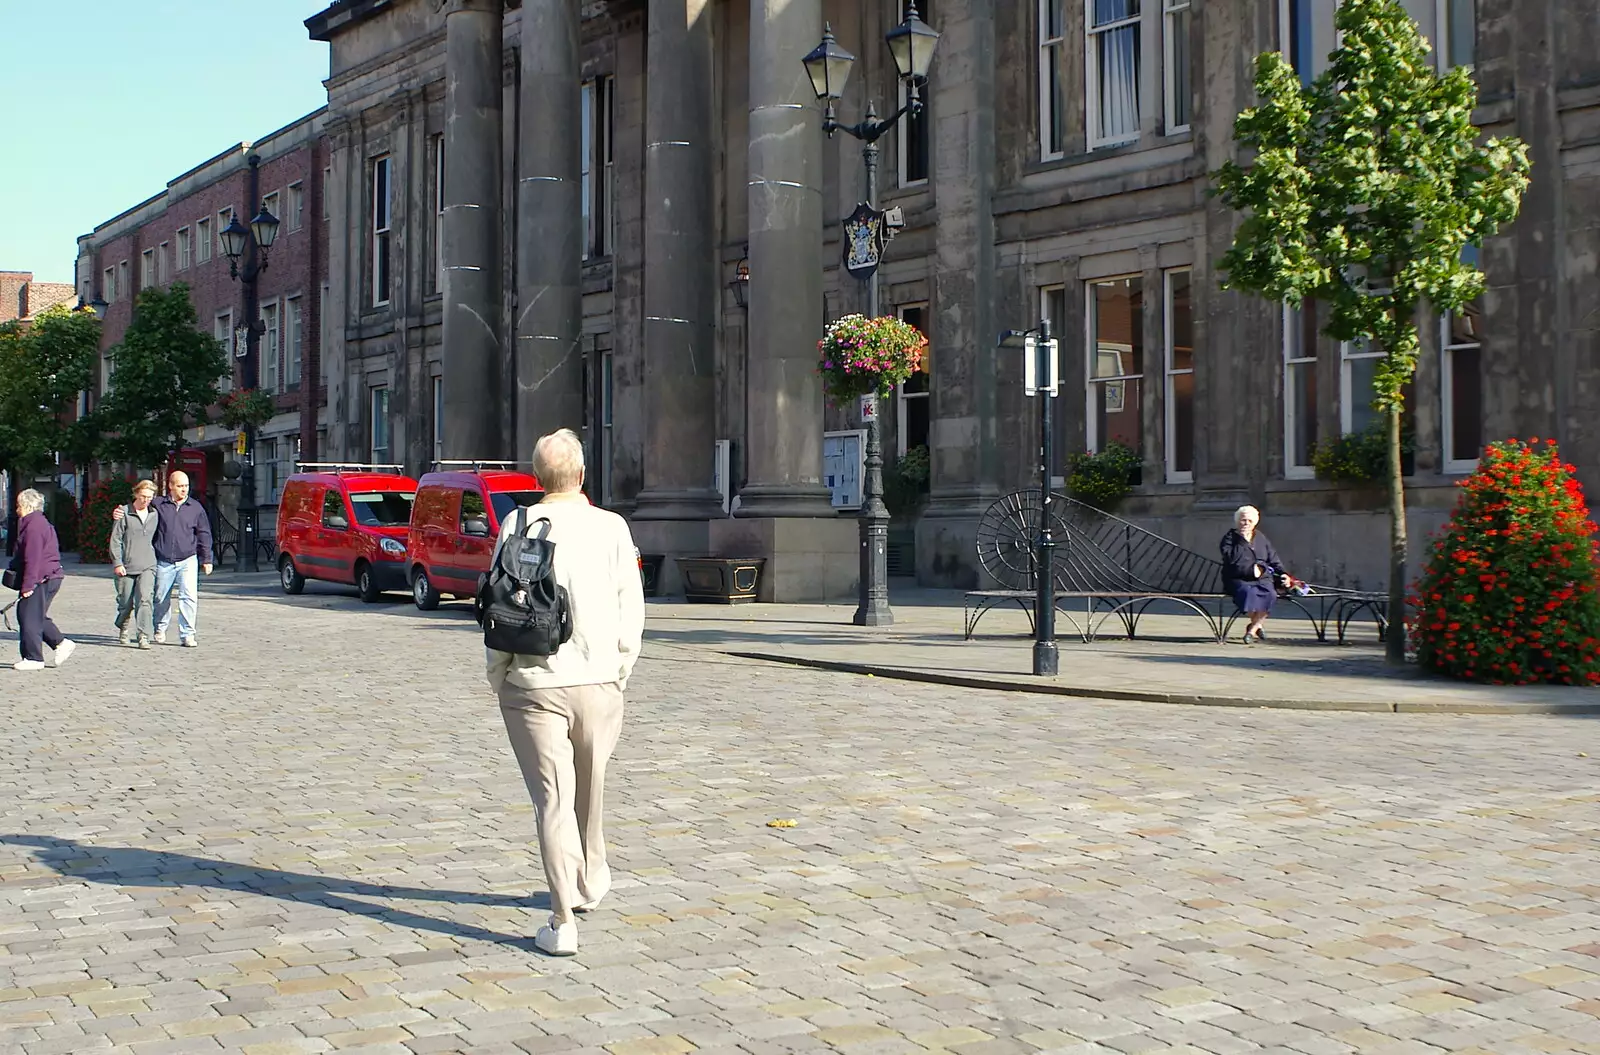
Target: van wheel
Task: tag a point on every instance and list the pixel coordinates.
(422, 591)
(366, 582)
(293, 582)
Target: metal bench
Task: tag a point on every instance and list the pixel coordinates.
(1119, 570)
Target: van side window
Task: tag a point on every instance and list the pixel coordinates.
(333, 508)
(474, 516)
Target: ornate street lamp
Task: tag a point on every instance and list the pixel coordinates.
(246, 249)
(828, 65)
(741, 283)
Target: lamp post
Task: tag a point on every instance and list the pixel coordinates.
(246, 248)
(740, 287)
(911, 43)
(1042, 378)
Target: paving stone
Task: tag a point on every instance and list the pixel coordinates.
(329, 849)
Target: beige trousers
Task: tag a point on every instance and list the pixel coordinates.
(563, 739)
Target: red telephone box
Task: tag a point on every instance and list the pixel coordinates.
(191, 460)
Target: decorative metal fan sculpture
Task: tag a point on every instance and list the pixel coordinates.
(1007, 534)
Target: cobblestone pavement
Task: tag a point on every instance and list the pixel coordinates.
(309, 835)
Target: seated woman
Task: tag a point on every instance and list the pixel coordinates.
(1251, 570)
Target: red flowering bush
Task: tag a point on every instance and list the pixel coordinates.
(1509, 592)
(860, 356)
(95, 524)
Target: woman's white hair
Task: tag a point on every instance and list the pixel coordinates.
(558, 461)
(30, 501)
(1238, 514)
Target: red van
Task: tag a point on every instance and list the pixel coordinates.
(455, 523)
(345, 523)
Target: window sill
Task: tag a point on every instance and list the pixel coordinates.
(1145, 142)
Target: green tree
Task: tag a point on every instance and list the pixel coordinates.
(43, 367)
(1360, 191)
(164, 376)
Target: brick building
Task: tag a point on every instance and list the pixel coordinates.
(175, 237)
(21, 297)
(619, 160)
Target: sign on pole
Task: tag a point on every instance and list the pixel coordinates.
(869, 407)
(1041, 367)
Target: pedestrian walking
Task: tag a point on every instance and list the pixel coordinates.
(563, 711)
(36, 575)
(133, 556)
(183, 549)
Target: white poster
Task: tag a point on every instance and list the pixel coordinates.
(843, 466)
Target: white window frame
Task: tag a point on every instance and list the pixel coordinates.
(902, 397)
(224, 217)
(1091, 74)
(1170, 10)
(1291, 362)
(267, 351)
(438, 213)
(147, 268)
(185, 248)
(222, 329)
(1444, 30)
(382, 220)
(1049, 72)
(375, 395)
(163, 254)
(266, 465)
(202, 230)
(1092, 348)
(596, 162)
(1169, 396)
(295, 196)
(1347, 355)
(438, 418)
(272, 202)
(1447, 417)
(108, 285)
(294, 322)
(124, 282)
(904, 128)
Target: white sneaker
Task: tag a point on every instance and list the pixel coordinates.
(190, 642)
(28, 664)
(124, 637)
(161, 637)
(553, 940)
(64, 651)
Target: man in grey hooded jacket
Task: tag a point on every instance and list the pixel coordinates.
(133, 557)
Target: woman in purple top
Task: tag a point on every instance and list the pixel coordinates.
(38, 566)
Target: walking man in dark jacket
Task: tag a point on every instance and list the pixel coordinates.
(183, 542)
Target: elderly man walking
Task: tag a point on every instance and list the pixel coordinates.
(563, 712)
(183, 542)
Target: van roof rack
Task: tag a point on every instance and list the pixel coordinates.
(347, 467)
(474, 464)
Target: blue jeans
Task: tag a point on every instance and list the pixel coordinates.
(186, 576)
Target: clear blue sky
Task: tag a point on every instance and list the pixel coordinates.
(107, 100)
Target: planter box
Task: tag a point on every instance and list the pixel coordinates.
(650, 572)
(721, 580)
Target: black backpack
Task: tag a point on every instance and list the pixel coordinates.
(524, 610)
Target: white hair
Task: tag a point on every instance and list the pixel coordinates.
(1238, 514)
(558, 461)
(30, 501)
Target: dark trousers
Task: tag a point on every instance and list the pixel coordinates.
(33, 619)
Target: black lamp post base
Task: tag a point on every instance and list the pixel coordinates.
(1046, 659)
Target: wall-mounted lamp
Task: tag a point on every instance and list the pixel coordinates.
(741, 283)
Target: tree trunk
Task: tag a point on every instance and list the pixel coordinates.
(1395, 639)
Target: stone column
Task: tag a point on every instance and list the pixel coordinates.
(785, 183)
(549, 310)
(680, 289)
(472, 221)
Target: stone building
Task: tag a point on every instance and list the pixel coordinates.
(541, 211)
(175, 236)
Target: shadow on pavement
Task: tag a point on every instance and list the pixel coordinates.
(131, 866)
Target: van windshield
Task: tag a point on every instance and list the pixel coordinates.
(506, 501)
(382, 508)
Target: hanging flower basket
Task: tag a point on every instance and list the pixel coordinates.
(861, 356)
(246, 406)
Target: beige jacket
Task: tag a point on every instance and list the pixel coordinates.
(596, 561)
